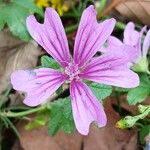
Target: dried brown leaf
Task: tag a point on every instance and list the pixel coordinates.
(111, 5)
(135, 10)
(15, 54)
(39, 139)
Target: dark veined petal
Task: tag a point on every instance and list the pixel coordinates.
(116, 47)
(111, 70)
(86, 108)
(50, 35)
(91, 35)
(39, 84)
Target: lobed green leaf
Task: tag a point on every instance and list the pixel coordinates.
(61, 117)
(101, 91)
(140, 93)
(48, 62)
(14, 14)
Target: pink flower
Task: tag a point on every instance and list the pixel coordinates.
(41, 83)
(131, 45)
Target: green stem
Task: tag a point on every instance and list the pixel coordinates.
(118, 101)
(24, 113)
(120, 25)
(71, 14)
(4, 96)
(71, 29)
(101, 8)
(139, 124)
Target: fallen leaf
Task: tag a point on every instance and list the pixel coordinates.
(15, 54)
(39, 139)
(135, 10)
(110, 6)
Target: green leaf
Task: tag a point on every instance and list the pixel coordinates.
(14, 14)
(67, 125)
(40, 120)
(61, 117)
(101, 91)
(140, 93)
(55, 120)
(49, 62)
(144, 131)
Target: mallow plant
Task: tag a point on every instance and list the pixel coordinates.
(108, 68)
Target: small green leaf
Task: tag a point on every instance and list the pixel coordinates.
(101, 91)
(67, 125)
(49, 62)
(40, 120)
(14, 13)
(61, 117)
(140, 93)
(144, 132)
(55, 121)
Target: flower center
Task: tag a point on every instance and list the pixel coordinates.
(72, 71)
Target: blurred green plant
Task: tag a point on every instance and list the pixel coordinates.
(13, 13)
(140, 93)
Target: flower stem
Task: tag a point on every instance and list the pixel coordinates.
(23, 113)
(101, 8)
(118, 101)
(71, 29)
(139, 124)
(120, 25)
(71, 14)
(4, 96)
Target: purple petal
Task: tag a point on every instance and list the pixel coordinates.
(50, 35)
(146, 44)
(91, 35)
(86, 108)
(116, 47)
(114, 41)
(111, 70)
(112, 45)
(131, 36)
(140, 42)
(39, 84)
